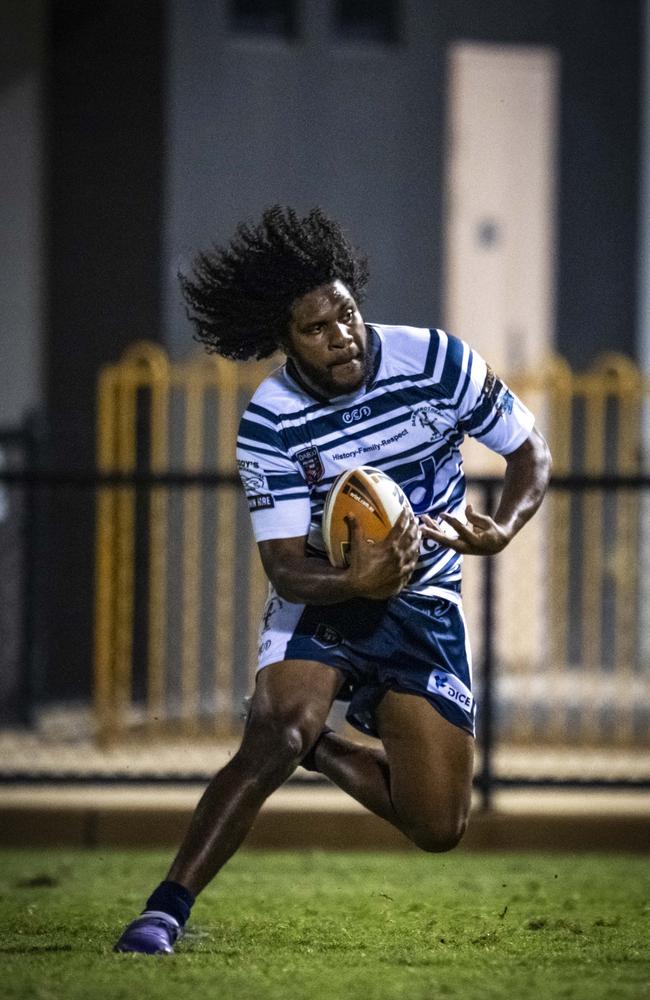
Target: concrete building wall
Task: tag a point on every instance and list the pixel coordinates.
(352, 126)
(22, 54)
(361, 128)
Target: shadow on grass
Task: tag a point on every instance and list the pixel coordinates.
(34, 949)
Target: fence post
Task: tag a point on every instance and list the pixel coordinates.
(487, 692)
(31, 681)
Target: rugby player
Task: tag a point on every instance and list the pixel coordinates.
(387, 633)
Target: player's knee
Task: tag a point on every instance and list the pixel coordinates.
(284, 736)
(439, 836)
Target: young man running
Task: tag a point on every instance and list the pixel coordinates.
(386, 633)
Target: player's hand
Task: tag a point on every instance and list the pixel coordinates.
(481, 537)
(379, 570)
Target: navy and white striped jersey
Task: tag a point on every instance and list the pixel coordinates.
(429, 389)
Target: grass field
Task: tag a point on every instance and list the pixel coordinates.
(314, 925)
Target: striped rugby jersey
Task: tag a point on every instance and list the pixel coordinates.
(428, 390)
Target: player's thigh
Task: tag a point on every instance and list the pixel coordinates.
(295, 694)
(431, 766)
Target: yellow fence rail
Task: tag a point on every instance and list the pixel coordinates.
(173, 402)
(179, 584)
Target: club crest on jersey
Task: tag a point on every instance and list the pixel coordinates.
(423, 416)
(311, 464)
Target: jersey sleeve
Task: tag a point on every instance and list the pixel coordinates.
(488, 410)
(276, 492)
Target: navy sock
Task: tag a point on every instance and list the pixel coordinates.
(172, 898)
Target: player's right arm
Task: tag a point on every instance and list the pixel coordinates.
(279, 503)
(376, 571)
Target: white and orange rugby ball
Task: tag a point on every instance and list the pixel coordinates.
(375, 500)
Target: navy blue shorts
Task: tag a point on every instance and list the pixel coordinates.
(408, 643)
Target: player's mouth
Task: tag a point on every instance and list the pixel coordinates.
(352, 363)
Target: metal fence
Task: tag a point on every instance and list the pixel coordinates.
(17, 572)
(560, 621)
(572, 615)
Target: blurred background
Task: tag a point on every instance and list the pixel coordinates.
(493, 160)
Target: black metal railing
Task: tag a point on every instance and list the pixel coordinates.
(27, 477)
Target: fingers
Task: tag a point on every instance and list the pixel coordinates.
(354, 532)
(463, 530)
(457, 544)
(460, 527)
(431, 530)
(482, 536)
(480, 520)
(401, 524)
(404, 532)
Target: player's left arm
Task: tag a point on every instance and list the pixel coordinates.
(528, 470)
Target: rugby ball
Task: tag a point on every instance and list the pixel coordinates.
(375, 500)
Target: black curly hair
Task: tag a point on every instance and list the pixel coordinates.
(239, 297)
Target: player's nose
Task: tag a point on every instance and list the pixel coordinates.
(341, 335)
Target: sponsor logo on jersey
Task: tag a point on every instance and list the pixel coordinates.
(311, 464)
(452, 688)
(252, 476)
(327, 637)
(262, 501)
(358, 413)
(498, 393)
(505, 402)
(419, 489)
(369, 449)
(423, 416)
(491, 383)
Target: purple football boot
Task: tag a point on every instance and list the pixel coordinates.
(152, 933)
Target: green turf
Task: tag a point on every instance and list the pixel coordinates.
(315, 925)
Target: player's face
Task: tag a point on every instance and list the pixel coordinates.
(328, 342)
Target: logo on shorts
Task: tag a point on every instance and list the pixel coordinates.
(311, 464)
(274, 605)
(452, 688)
(327, 637)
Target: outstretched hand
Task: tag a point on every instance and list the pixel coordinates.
(481, 537)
